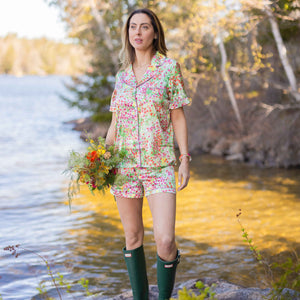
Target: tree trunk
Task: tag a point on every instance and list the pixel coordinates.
(227, 82)
(105, 31)
(283, 55)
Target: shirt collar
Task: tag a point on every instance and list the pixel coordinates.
(156, 61)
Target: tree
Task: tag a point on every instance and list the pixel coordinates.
(48, 57)
(273, 11)
(21, 56)
(8, 59)
(97, 25)
(227, 82)
(207, 24)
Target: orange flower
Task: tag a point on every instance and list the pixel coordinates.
(92, 156)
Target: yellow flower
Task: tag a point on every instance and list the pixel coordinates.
(101, 151)
(103, 168)
(92, 141)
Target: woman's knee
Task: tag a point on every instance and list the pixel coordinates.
(134, 239)
(166, 245)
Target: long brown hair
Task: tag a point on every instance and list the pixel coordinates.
(127, 54)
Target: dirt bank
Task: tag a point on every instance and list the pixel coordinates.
(271, 138)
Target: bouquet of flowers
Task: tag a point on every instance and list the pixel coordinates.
(96, 168)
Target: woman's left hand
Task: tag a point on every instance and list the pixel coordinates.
(183, 173)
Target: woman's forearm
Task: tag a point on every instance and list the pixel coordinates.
(111, 133)
(180, 129)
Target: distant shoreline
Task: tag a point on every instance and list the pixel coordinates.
(42, 57)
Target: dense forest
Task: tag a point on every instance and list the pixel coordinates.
(20, 56)
(240, 59)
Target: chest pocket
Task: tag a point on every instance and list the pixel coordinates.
(157, 96)
(159, 103)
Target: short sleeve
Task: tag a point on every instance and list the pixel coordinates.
(177, 94)
(113, 107)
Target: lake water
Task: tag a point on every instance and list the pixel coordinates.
(87, 243)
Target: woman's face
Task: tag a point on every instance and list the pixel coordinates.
(141, 32)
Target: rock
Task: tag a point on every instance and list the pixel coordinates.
(89, 128)
(257, 158)
(236, 156)
(202, 140)
(236, 147)
(221, 147)
(223, 291)
(153, 294)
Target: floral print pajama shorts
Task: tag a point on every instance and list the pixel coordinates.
(146, 181)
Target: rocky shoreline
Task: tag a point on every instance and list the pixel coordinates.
(89, 128)
(252, 149)
(271, 137)
(223, 291)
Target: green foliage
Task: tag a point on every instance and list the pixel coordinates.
(289, 270)
(191, 30)
(97, 25)
(289, 11)
(42, 288)
(15, 252)
(289, 278)
(58, 280)
(85, 284)
(91, 93)
(43, 291)
(96, 168)
(63, 283)
(206, 292)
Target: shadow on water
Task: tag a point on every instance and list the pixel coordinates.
(207, 167)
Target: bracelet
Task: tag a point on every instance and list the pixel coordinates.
(185, 154)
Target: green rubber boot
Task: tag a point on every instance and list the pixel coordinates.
(136, 266)
(166, 271)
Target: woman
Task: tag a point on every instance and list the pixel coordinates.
(147, 106)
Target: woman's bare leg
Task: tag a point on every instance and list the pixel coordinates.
(163, 209)
(130, 210)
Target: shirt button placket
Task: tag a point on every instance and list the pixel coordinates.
(138, 124)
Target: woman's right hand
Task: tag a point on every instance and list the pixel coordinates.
(183, 173)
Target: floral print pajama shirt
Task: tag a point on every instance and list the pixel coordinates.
(144, 127)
